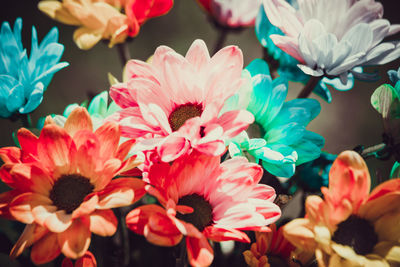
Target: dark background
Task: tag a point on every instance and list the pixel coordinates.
(345, 123)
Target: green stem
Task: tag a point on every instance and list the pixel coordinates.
(222, 34)
(123, 52)
(26, 120)
(309, 87)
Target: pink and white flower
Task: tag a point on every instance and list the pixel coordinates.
(203, 200)
(173, 104)
(232, 13)
(332, 37)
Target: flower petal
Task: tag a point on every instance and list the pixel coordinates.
(75, 241)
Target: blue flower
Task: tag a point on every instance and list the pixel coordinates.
(288, 65)
(22, 80)
(394, 77)
(315, 174)
(98, 109)
(284, 141)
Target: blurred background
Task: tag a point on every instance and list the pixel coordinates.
(345, 123)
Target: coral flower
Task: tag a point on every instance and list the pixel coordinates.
(273, 249)
(63, 186)
(87, 260)
(23, 80)
(332, 37)
(96, 20)
(350, 226)
(173, 104)
(232, 13)
(204, 199)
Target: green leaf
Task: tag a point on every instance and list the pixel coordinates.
(395, 173)
(383, 98)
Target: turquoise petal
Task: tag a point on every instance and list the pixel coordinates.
(285, 170)
(16, 98)
(309, 148)
(288, 134)
(34, 99)
(258, 66)
(99, 104)
(69, 109)
(312, 106)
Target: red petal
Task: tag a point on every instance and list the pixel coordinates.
(220, 234)
(88, 260)
(28, 141)
(103, 222)
(46, 249)
(75, 241)
(199, 251)
(10, 154)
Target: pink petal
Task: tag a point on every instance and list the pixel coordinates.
(235, 121)
(198, 55)
(123, 96)
(221, 234)
(173, 147)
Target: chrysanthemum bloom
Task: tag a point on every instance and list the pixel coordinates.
(284, 141)
(87, 260)
(204, 199)
(174, 103)
(96, 20)
(332, 37)
(232, 13)
(287, 65)
(273, 249)
(350, 226)
(23, 80)
(63, 186)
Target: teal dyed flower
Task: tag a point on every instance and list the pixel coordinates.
(284, 141)
(288, 65)
(315, 174)
(98, 109)
(394, 77)
(23, 80)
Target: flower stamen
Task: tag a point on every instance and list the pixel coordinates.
(182, 113)
(357, 233)
(201, 217)
(69, 191)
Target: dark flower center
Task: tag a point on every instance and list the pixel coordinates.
(182, 113)
(201, 216)
(357, 233)
(69, 191)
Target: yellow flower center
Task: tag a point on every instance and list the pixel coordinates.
(357, 233)
(182, 113)
(201, 217)
(69, 191)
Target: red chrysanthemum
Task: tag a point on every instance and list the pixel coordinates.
(63, 187)
(203, 199)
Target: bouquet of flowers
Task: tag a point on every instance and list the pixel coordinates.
(207, 157)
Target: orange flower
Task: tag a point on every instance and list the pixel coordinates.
(273, 249)
(96, 20)
(63, 186)
(103, 19)
(351, 227)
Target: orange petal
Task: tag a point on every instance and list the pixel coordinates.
(137, 219)
(87, 206)
(87, 260)
(5, 200)
(28, 141)
(22, 206)
(10, 154)
(46, 249)
(31, 234)
(348, 178)
(378, 207)
(103, 222)
(79, 119)
(124, 149)
(299, 233)
(199, 251)
(121, 192)
(387, 227)
(75, 241)
(387, 187)
(108, 135)
(58, 221)
(56, 149)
